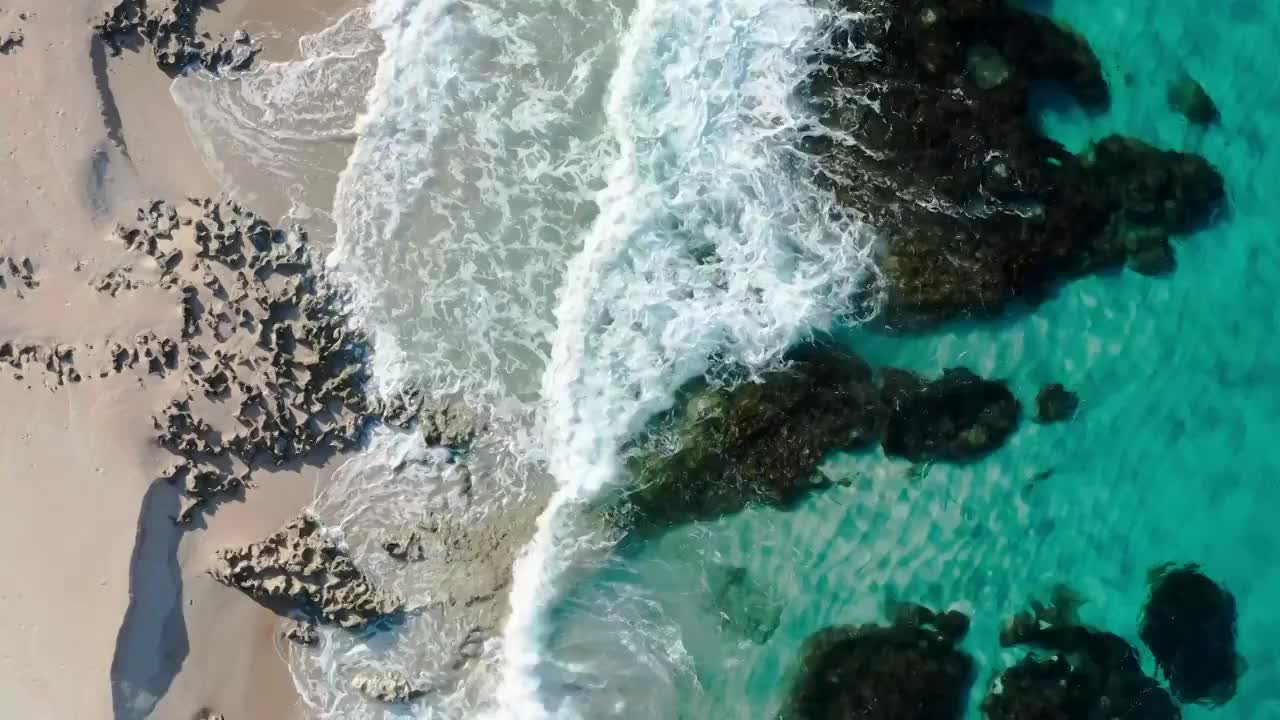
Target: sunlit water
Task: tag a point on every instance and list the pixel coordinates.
(559, 210)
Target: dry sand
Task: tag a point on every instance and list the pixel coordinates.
(110, 612)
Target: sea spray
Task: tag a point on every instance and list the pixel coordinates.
(712, 240)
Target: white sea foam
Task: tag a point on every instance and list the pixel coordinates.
(711, 240)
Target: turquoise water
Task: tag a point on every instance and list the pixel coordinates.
(1172, 457)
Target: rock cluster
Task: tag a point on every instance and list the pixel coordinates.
(1074, 672)
(303, 569)
(11, 35)
(386, 687)
(1189, 624)
(932, 140)
(57, 361)
(301, 632)
(761, 440)
(271, 370)
(1055, 403)
(169, 28)
(912, 669)
(18, 272)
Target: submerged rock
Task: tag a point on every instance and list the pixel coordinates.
(910, 670)
(744, 608)
(1055, 403)
(303, 569)
(758, 441)
(1188, 97)
(959, 416)
(1074, 672)
(387, 687)
(979, 208)
(1189, 624)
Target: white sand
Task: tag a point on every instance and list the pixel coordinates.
(79, 523)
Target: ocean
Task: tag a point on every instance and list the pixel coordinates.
(531, 193)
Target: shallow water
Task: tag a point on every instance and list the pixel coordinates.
(527, 209)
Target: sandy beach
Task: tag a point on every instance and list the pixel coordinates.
(112, 611)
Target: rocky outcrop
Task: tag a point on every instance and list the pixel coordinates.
(912, 669)
(932, 141)
(301, 632)
(959, 416)
(759, 441)
(303, 569)
(1189, 624)
(1188, 98)
(1075, 672)
(11, 35)
(1055, 403)
(271, 369)
(386, 687)
(168, 27)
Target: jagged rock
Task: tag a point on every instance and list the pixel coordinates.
(304, 569)
(978, 207)
(11, 35)
(757, 441)
(302, 633)
(169, 28)
(1078, 672)
(910, 670)
(1188, 97)
(1189, 624)
(387, 687)
(450, 424)
(405, 546)
(956, 417)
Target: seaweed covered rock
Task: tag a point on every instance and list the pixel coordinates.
(303, 569)
(1189, 624)
(757, 441)
(1188, 97)
(934, 142)
(956, 417)
(912, 669)
(1073, 672)
(1055, 403)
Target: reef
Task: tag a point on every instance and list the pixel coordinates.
(1055, 403)
(169, 28)
(1073, 672)
(959, 416)
(302, 569)
(912, 669)
(756, 441)
(386, 687)
(1188, 98)
(760, 439)
(1189, 624)
(930, 136)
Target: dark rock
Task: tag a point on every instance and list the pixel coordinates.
(756, 440)
(910, 670)
(978, 207)
(405, 546)
(1055, 403)
(1074, 672)
(1188, 97)
(302, 633)
(959, 416)
(302, 569)
(1189, 624)
(169, 28)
